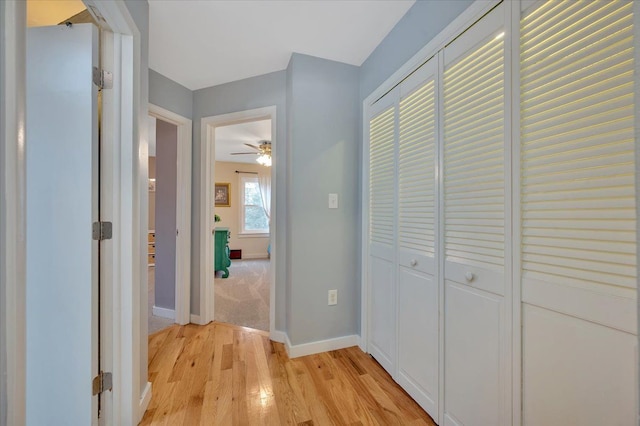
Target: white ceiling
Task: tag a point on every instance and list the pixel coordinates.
(233, 137)
(200, 43)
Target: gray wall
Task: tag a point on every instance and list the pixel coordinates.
(423, 21)
(3, 242)
(170, 95)
(166, 186)
(323, 246)
(256, 92)
(139, 10)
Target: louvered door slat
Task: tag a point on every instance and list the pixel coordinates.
(578, 141)
(416, 175)
(382, 178)
(474, 173)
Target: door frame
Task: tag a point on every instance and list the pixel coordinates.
(12, 213)
(207, 173)
(122, 345)
(183, 211)
(122, 188)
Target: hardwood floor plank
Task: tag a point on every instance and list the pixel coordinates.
(221, 374)
(209, 404)
(224, 408)
(289, 399)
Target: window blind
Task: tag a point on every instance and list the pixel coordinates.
(577, 135)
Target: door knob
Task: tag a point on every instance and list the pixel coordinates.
(413, 262)
(469, 276)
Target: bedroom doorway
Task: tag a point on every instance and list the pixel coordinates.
(238, 151)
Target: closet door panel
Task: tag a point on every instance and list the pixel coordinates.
(418, 324)
(474, 156)
(578, 191)
(474, 366)
(579, 280)
(417, 131)
(577, 372)
(418, 338)
(382, 232)
(383, 316)
(477, 376)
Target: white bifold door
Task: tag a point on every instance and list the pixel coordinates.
(62, 204)
(476, 227)
(418, 322)
(404, 311)
(502, 272)
(382, 233)
(579, 282)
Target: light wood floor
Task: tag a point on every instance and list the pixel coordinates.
(220, 374)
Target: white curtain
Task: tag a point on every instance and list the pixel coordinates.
(264, 180)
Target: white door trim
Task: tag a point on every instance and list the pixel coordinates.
(183, 211)
(12, 213)
(207, 167)
(122, 184)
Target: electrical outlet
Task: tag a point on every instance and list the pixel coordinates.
(333, 297)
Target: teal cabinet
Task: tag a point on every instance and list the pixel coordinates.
(221, 252)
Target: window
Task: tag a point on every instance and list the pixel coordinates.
(253, 218)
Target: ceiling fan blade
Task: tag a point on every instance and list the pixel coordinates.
(244, 153)
(252, 146)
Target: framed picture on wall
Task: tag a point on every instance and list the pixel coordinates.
(222, 195)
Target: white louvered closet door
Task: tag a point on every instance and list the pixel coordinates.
(476, 375)
(382, 231)
(578, 214)
(418, 334)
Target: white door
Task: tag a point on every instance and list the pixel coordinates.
(579, 281)
(62, 204)
(476, 227)
(382, 232)
(418, 303)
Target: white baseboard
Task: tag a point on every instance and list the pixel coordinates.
(145, 399)
(195, 319)
(254, 256)
(164, 312)
(295, 351)
(278, 336)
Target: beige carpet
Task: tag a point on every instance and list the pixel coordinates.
(243, 297)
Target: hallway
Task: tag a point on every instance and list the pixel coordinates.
(224, 374)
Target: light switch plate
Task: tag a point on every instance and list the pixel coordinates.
(333, 201)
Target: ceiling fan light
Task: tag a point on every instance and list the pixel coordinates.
(265, 160)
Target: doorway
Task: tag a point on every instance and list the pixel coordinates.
(169, 235)
(244, 183)
(242, 170)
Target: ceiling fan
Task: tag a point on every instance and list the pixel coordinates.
(263, 150)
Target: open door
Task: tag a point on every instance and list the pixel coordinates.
(62, 206)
